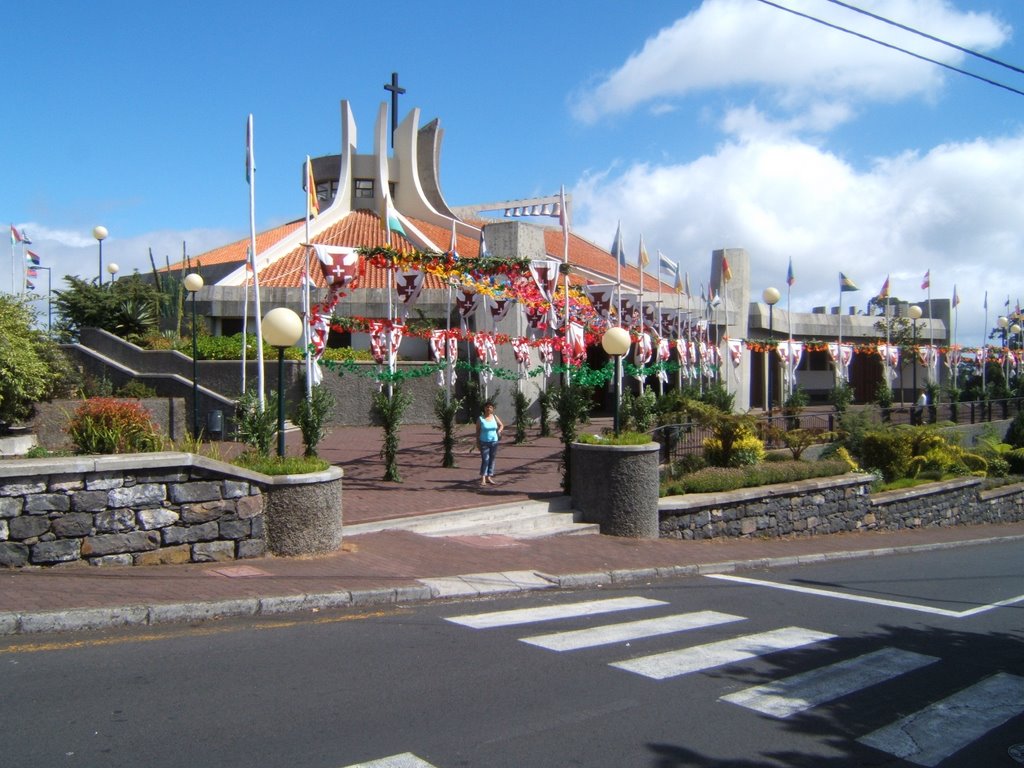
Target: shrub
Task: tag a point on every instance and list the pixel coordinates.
(311, 417)
(135, 389)
(719, 397)
(841, 396)
(522, 405)
(733, 447)
(719, 479)
(446, 409)
(105, 425)
(572, 404)
(544, 403)
(888, 451)
(1015, 432)
(391, 410)
(638, 411)
(256, 427)
(688, 464)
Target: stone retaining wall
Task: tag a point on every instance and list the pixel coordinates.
(830, 505)
(142, 509)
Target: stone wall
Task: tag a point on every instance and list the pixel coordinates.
(830, 505)
(140, 509)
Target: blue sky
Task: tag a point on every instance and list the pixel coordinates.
(701, 125)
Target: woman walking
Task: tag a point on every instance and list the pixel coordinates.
(488, 431)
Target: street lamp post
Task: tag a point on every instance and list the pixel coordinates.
(281, 329)
(1004, 322)
(113, 269)
(1014, 330)
(193, 282)
(771, 297)
(100, 233)
(915, 314)
(615, 342)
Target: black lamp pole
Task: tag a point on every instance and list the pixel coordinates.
(618, 383)
(768, 358)
(280, 401)
(195, 373)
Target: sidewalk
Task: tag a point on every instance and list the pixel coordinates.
(397, 566)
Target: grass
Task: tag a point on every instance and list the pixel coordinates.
(624, 438)
(280, 465)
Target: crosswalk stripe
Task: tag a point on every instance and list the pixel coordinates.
(932, 734)
(631, 630)
(552, 612)
(404, 760)
(786, 697)
(680, 662)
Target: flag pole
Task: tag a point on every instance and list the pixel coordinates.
(251, 167)
(310, 192)
(839, 346)
(564, 216)
(984, 349)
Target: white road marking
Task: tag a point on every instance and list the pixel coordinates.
(404, 760)
(872, 600)
(786, 697)
(552, 612)
(700, 657)
(631, 630)
(931, 735)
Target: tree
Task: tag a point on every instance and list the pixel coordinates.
(129, 307)
(32, 367)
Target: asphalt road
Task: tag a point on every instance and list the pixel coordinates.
(901, 660)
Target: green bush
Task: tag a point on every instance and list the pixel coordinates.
(719, 479)
(1015, 432)
(888, 451)
(105, 425)
(32, 367)
(256, 427)
(136, 389)
(311, 417)
(744, 449)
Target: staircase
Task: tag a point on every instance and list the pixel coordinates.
(519, 520)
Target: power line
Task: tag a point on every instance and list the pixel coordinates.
(884, 44)
(929, 37)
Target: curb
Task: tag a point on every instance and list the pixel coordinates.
(469, 585)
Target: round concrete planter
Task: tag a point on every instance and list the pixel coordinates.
(616, 486)
(303, 513)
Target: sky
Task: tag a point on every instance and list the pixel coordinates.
(698, 125)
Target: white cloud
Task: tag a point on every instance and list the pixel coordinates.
(743, 43)
(954, 210)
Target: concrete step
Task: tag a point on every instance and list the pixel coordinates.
(524, 519)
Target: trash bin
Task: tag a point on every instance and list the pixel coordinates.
(215, 422)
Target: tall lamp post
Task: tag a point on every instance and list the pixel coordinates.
(281, 329)
(771, 297)
(615, 342)
(915, 314)
(1004, 322)
(100, 233)
(193, 282)
(1014, 330)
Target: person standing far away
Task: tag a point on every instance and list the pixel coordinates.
(488, 431)
(922, 403)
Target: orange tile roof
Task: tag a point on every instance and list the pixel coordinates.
(363, 228)
(237, 251)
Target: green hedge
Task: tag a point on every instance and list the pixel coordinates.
(717, 479)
